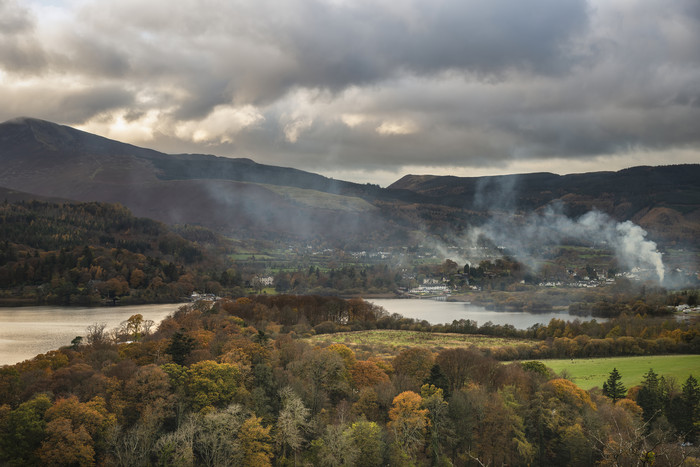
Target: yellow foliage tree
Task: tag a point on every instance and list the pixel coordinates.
(255, 443)
(407, 422)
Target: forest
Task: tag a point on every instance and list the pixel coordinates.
(231, 383)
(89, 253)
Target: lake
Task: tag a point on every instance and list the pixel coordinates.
(28, 331)
(436, 312)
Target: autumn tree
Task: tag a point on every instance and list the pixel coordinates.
(66, 444)
(407, 423)
(367, 373)
(255, 443)
(207, 384)
(414, 365)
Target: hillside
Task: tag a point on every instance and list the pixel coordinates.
(86, 253)
(241, 198)
(664, 200)
(51, 160)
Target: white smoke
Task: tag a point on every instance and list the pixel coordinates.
(525, 236)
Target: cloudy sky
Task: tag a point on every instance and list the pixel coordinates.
(367, 90)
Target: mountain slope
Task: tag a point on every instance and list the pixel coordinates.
(242, 197)
(664, 200)
(226, 194)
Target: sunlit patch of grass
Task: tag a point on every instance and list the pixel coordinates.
(590, 372)
(389, 341)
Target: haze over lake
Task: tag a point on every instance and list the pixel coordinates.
(28, 331)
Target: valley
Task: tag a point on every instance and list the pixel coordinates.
(276, 292)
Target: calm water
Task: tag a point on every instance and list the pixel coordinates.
(445, 312)
(28, 331)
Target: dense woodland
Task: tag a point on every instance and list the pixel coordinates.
(86, 253)
(230, 383)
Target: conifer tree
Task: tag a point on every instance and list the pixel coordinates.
(613, 387)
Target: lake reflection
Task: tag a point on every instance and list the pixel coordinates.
(28, 331)
(436, 312)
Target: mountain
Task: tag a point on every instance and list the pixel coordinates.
(664, 200)
(229, 195)
(244, 198)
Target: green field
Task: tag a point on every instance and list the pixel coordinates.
(389, 341)
(588, 373)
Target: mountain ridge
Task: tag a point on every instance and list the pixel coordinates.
(236, 195)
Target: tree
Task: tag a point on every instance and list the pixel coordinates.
(407, 423)
(336, 448)
(180, 346)
(23, 430)
(66, 444)
(613, 387)
(414, 364)
(434, 401)
(649, 397)
(210, 384)
(684, 410)
(215, 440)
(367, 373)
(367, 438)
(292, 422)
(255, 443)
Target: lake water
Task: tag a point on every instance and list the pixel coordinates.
(436, 312)
(28, 331)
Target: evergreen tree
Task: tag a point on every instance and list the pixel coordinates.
(650, 397)
(690, 398)
(180, 346)
(613, 387)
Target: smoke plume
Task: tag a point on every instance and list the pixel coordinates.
(524, 236)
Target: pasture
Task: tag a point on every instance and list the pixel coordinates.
(390, 341)
(591, 372)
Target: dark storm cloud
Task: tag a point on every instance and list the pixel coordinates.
(257, 53)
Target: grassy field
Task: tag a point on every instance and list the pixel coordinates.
(390, 342)
(588, 373)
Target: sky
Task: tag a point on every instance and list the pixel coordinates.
(367, 90)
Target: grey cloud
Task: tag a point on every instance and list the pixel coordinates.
(20, 52)
(256, 53)
(14, 19)
(77, 107)
(61, 105)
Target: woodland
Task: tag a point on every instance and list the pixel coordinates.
(230, 383)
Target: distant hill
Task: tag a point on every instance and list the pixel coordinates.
(243, 198)
(664, 200)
